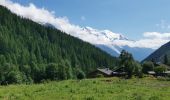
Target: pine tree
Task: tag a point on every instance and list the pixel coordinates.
(166, 61)
(39, 51)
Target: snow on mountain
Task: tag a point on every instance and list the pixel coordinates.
(106, 40)
(113, 48)
(105, 33)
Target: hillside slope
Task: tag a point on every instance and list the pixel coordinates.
(159, 54)
(107, 40)
(27, 48)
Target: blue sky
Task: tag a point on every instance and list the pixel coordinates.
(130, 17)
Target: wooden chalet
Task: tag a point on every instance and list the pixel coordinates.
(119, 71)
(106, 72)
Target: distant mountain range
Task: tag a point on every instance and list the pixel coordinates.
(105, 40)
(158, 55)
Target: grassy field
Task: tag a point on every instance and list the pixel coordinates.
(90, 89)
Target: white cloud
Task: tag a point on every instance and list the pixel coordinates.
(157, 35)
(151, 40)
(41, 15)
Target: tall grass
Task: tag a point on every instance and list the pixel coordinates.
(90, 89)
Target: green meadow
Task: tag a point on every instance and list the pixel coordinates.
(90, 89)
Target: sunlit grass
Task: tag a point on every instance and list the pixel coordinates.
(90, 89)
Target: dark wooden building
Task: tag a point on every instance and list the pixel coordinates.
(106, 72)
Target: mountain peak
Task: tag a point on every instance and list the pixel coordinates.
(107, 34)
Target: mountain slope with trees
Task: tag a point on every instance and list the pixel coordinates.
(30, 52)
(161, 55)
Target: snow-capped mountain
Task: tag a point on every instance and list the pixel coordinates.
(109, 42)
(113, 48)
(105, 33)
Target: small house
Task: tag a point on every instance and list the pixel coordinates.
(119, 71)
(106, 72)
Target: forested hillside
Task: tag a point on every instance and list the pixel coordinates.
(161, 55)
(30, 52)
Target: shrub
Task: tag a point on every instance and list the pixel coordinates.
(51, 71)
(14, 77)
(130, 65)
(133, 68)
(160, 69)
(80, 75)
(147, 66)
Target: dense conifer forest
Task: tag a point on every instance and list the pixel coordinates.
(160, 55)
(30, 52)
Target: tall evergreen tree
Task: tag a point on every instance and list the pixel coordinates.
(41, 51)
(166, 60)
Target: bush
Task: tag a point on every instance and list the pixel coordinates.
(14, 77)
(51, 71)
(80, 75)
(140, 75)
(130, 65)
(62, 75)
(133, 68)
(147, 66)
(160, 69)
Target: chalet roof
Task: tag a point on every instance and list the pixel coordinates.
(106, 71)
(151, 72)
(167, 72)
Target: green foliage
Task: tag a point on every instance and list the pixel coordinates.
(100, 76)
(10, 74)
(166, 60)
(14, 77)
(52, 70)
(58, 72)
(129, 64)
(138, 69)
(147, 66)
(133, 68)
(125, 56)
(160, 69)
(160, 55)
(62, 72)
(41, 52)
(80, 74)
